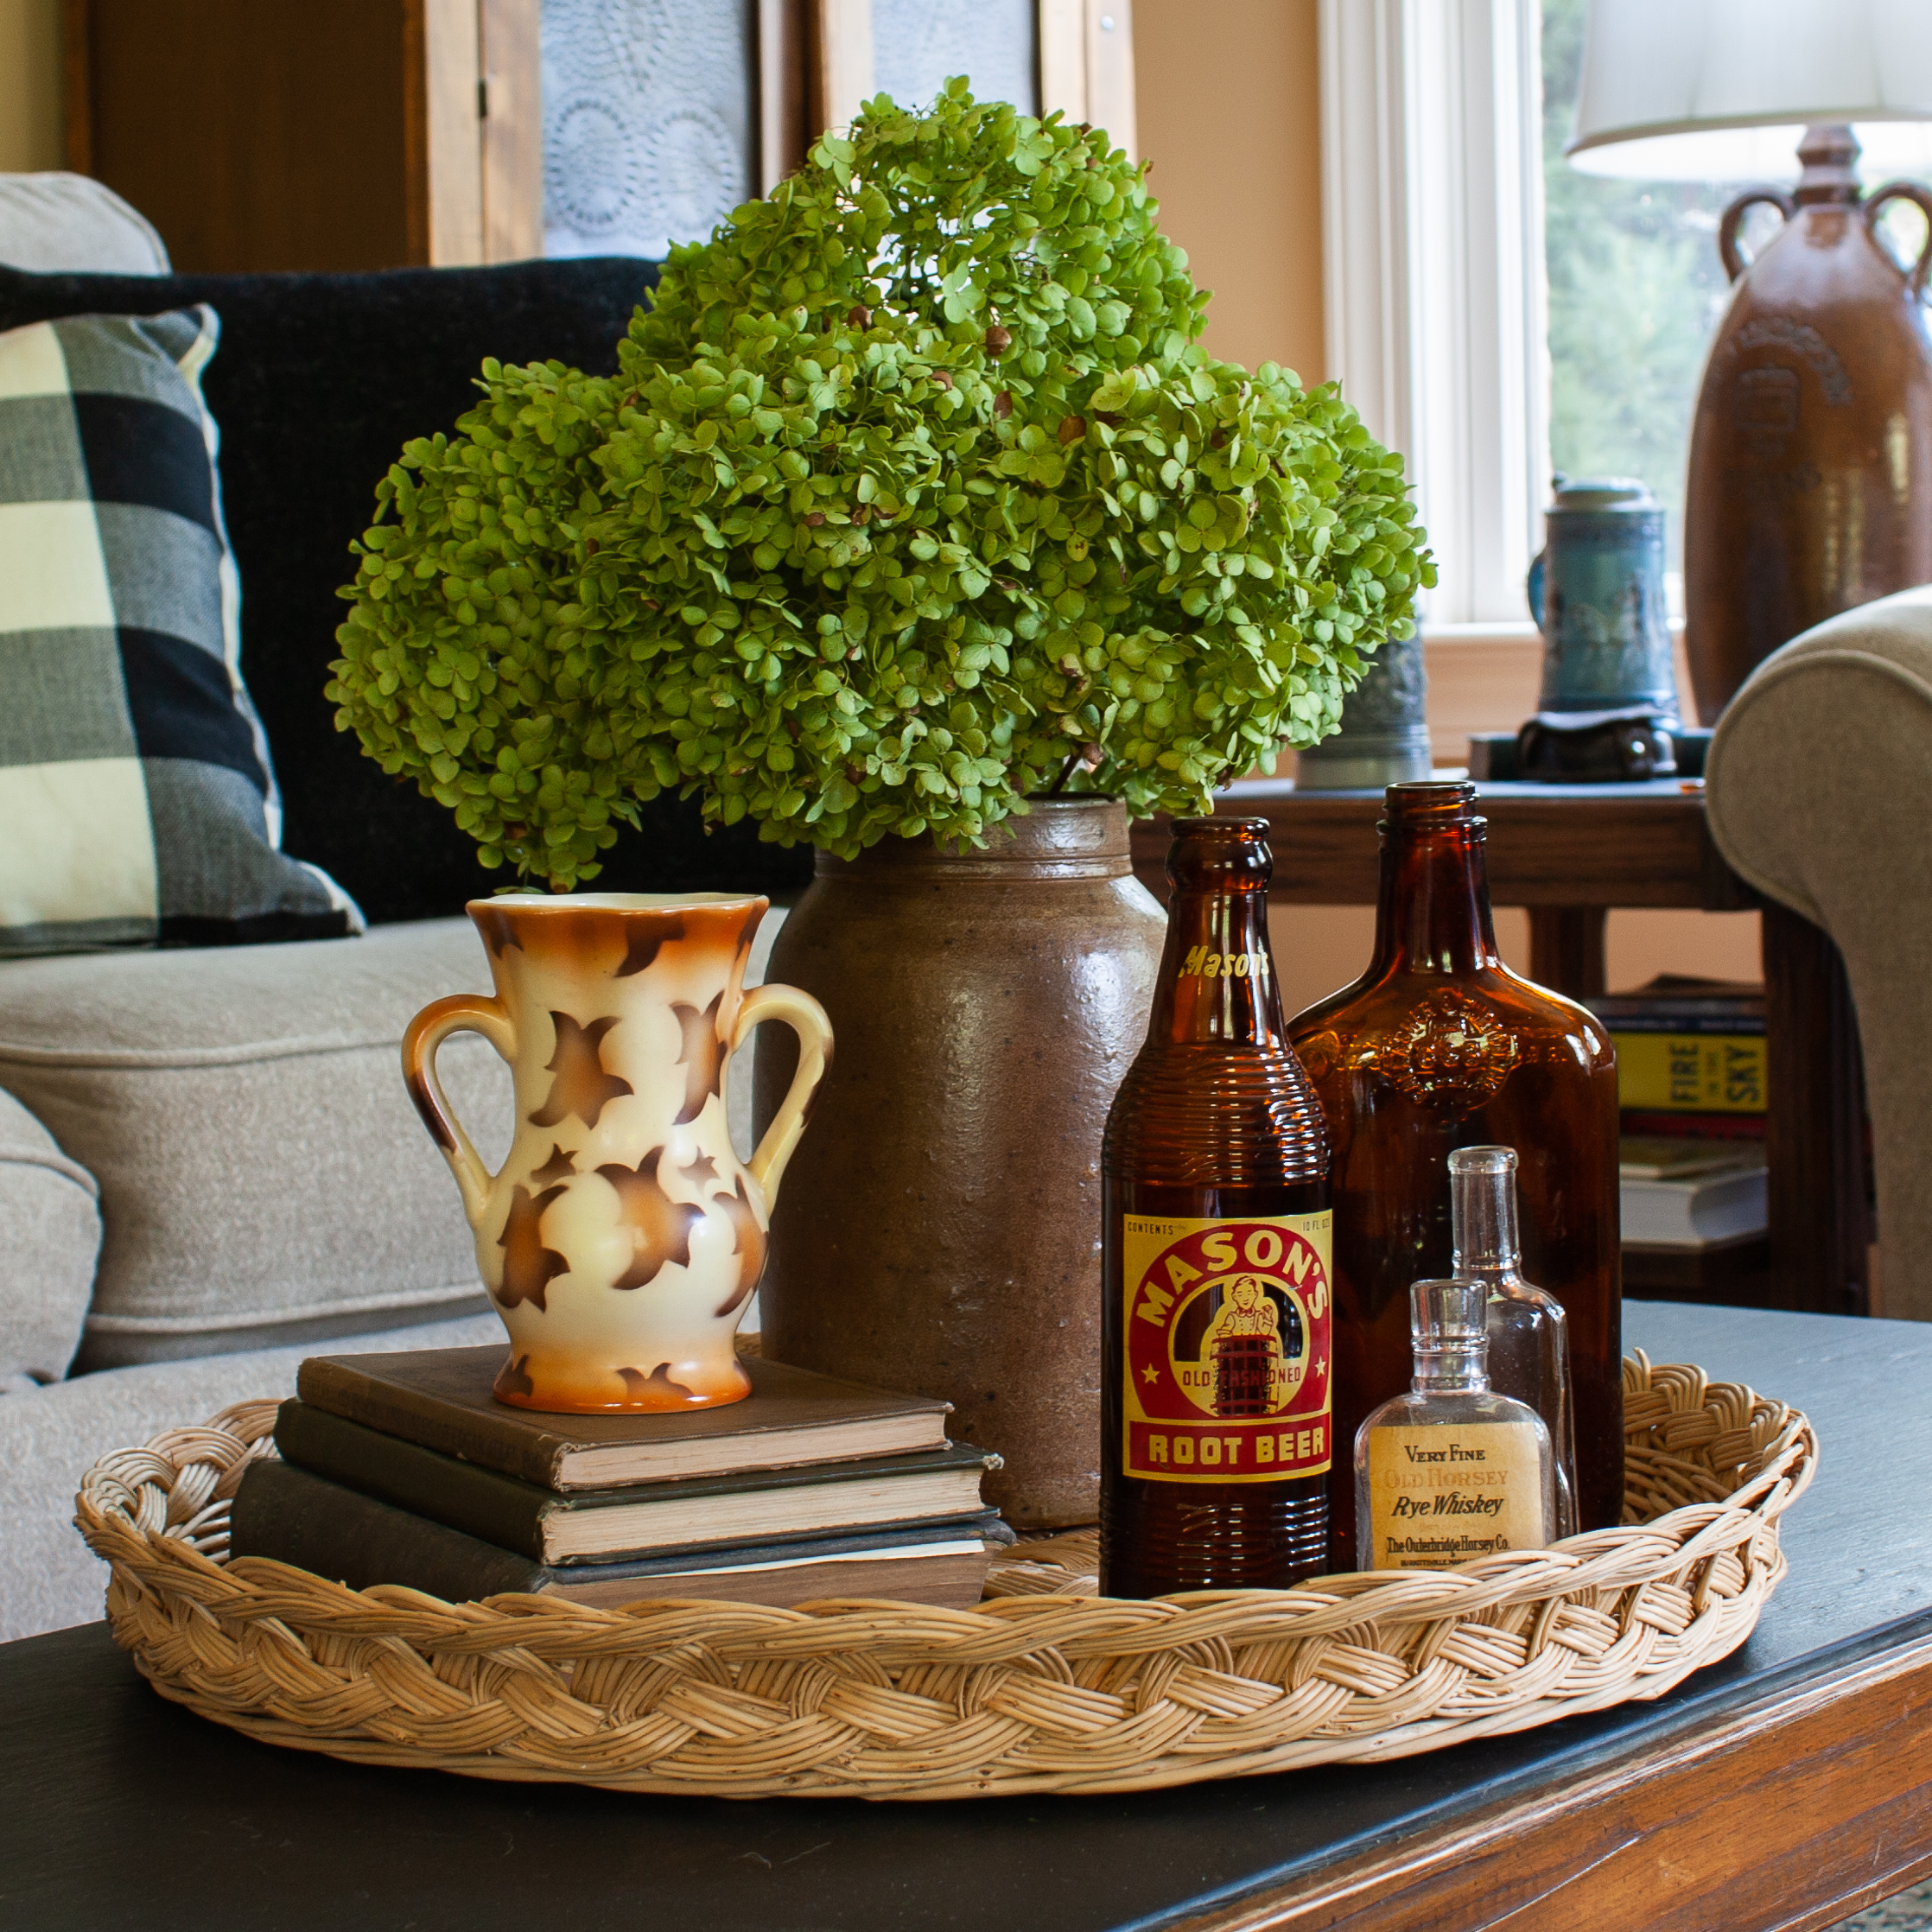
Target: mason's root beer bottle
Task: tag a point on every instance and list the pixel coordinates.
(1217, 1433)
(1440, 1046)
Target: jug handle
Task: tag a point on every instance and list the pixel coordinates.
(1921, 200)
(1734, 264)
(461, 1013)
(806, 1018)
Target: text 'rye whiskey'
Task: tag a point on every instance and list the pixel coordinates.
(1217, 1429)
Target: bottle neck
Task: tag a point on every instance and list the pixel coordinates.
(1449, 1367)
(1483, 1214)
(1432, 908)
(1217, 978)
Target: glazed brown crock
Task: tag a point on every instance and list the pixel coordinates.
(940, 1226)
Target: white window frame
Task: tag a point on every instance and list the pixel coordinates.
(1435, 300)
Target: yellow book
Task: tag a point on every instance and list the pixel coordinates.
(1690, 1072)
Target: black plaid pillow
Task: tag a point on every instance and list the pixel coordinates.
(138, 802)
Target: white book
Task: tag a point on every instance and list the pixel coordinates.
(1696, 1212)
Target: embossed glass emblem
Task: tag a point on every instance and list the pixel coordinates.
(1449, 1051)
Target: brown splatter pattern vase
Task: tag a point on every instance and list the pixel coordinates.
(622, 1237)
(941, 1232)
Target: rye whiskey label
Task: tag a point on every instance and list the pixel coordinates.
(1227, 1355)
(1441, 1495)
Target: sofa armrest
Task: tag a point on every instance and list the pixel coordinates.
(1819, 785)
(50, 1210)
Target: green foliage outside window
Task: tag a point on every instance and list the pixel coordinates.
(914, 496)
(1636, 290)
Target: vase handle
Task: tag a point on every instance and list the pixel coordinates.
(1734, 264)
(806, 1018)
(460, 1012)
(1921, 200)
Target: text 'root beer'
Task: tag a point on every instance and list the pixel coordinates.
(1217, 1431)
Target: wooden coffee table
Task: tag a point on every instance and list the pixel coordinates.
(1785, 1787)
(1572, 853)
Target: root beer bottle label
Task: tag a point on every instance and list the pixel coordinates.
(1227, 1358)
(1216, 1428)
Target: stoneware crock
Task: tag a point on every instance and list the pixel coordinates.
(941, 1232)
(622, 1237)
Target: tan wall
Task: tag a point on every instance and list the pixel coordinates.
(1227, 98)
(29, 85)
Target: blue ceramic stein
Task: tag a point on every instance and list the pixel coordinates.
(1597, 595)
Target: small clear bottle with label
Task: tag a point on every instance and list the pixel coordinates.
(1530, 1347)
(1451, 1472)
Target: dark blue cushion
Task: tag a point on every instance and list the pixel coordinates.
(320, 380)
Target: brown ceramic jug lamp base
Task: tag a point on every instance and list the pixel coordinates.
(1811, 483)
(940, 1227)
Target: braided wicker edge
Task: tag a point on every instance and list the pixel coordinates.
(1028, 1693)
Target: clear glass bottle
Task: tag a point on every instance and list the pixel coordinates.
(1530, 1347)
(1215, 1404)
(1451, 1470)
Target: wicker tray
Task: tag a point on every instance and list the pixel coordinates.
(1045, 1687)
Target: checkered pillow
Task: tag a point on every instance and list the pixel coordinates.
(137, 800)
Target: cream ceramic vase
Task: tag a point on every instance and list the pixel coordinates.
(622, 1237)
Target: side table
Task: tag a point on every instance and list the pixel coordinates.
(1570, 854)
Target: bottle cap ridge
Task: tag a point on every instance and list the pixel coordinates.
(1427, 804)
(1214, 852)
(1482, 1160)
(1448, 1314)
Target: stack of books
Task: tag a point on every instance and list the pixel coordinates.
(1685, 1193)
(1690, 1058)
(403, 1469)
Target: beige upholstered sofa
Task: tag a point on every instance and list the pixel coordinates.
(1820, 795)
(209, 1169)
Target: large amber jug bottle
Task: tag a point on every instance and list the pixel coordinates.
(1217, 1435)
(1440, 1046)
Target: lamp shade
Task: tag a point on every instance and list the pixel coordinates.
(1722, 90)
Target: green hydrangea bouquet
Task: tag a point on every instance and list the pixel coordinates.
(914, 496)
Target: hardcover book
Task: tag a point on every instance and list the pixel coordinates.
(440, 1398)
(594, 1526)
(1697, 1209)
(296, 1517)
(1693, 1049)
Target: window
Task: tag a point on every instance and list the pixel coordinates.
(1636, 290)
(1432, 215)
(1490, 308)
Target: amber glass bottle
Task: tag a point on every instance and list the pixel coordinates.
(1440, 1046)
(1216, 1428)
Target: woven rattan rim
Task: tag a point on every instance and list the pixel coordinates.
(1045, 1687)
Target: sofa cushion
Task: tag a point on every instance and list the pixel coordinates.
(263, 1177)
(48, 1209)
(58, 222)
(135, 782)
(49, 1439)
(320, 381)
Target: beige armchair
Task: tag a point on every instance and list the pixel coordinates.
(1820, 796)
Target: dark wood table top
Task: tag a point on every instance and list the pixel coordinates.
(1781, 1787)
(1567, 845)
